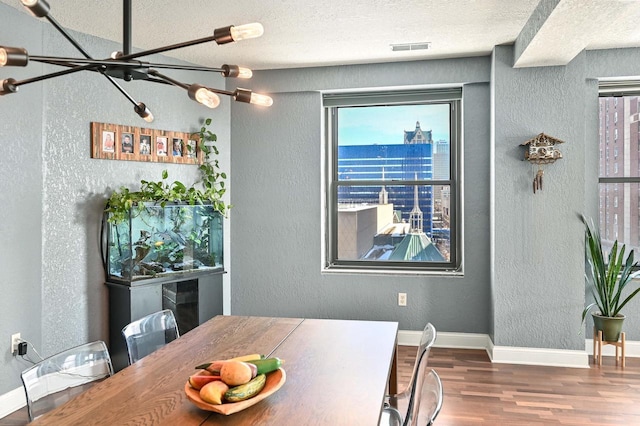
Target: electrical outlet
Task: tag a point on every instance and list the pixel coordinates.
(402, 299)
(15, 340)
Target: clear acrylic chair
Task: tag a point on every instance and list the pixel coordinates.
(410, 396)
(432, 396)
(59, 378)
(149, 334)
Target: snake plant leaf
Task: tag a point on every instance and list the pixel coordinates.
(607, 279)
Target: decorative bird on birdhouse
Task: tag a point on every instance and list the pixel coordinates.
(541, 150)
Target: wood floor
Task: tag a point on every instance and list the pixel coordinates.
(477, 392)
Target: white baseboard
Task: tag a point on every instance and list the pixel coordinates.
(446, 340)
(12, 401)
(509, 354)
(539, 356)
(631, 348)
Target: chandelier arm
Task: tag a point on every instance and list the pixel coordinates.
(77, 45)
(167, 48)
(75, 61)
(184, 67)
(66, 35)
(63, 61)
(89, 67)
(156, 80)
(168, 79)
(222, 92)
(120, 88)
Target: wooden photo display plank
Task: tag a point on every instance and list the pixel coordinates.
(129, 143)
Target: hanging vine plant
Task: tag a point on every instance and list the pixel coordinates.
(209, 189)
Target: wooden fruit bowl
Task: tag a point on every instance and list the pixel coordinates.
(275, 380)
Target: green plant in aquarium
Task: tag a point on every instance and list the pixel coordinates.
(208, 190)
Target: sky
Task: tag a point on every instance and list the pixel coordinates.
(386, 124)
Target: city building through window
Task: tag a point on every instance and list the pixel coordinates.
(619, 176)
(392, 180)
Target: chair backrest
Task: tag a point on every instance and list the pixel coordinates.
(419, 374)
(426, 342)
(149, 334)
(432, 396)
(57, 379)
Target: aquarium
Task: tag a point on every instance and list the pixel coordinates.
(156, 242)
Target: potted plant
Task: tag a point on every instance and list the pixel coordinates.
(167, 226)
(607, 280)
(213, 188)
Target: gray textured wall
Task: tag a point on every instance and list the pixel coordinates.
(276, 226)
(20, 204)
(538, 284)
(53, 192)
(523, 282)
(538, 240)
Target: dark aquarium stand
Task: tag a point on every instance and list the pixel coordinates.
(162, 258)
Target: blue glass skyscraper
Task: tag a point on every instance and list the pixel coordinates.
(393, 163)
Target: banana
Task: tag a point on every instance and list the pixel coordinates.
(246, 391)
(250, 357)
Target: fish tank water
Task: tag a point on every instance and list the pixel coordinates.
(157, 242)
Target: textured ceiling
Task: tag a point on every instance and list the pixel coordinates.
(302, 33)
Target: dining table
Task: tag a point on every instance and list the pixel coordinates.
(336, 372)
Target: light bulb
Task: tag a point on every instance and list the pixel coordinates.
(243, 32)
(39, 8)
(13, 56)
(7, 86)
(262, 100)
(203, 95)
(244, 72)
(142, 110)
(207, 98)
(235, 71)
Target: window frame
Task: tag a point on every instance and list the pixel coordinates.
(616, 89)
(332, 102)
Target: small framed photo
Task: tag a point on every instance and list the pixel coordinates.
(108, 141)
(191, 149)
(176, 144)
(127, 143)
(145, 145)
(161, 145)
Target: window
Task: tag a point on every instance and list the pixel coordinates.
(621, 183)
(392, 176)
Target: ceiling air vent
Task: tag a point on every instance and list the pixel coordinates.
(410, 46)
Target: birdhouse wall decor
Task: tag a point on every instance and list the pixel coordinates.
(541, 150)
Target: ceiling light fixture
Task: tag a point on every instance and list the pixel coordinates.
(124, 65)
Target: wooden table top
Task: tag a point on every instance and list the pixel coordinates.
(337, 372)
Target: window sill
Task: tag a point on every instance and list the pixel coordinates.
(389, 272)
